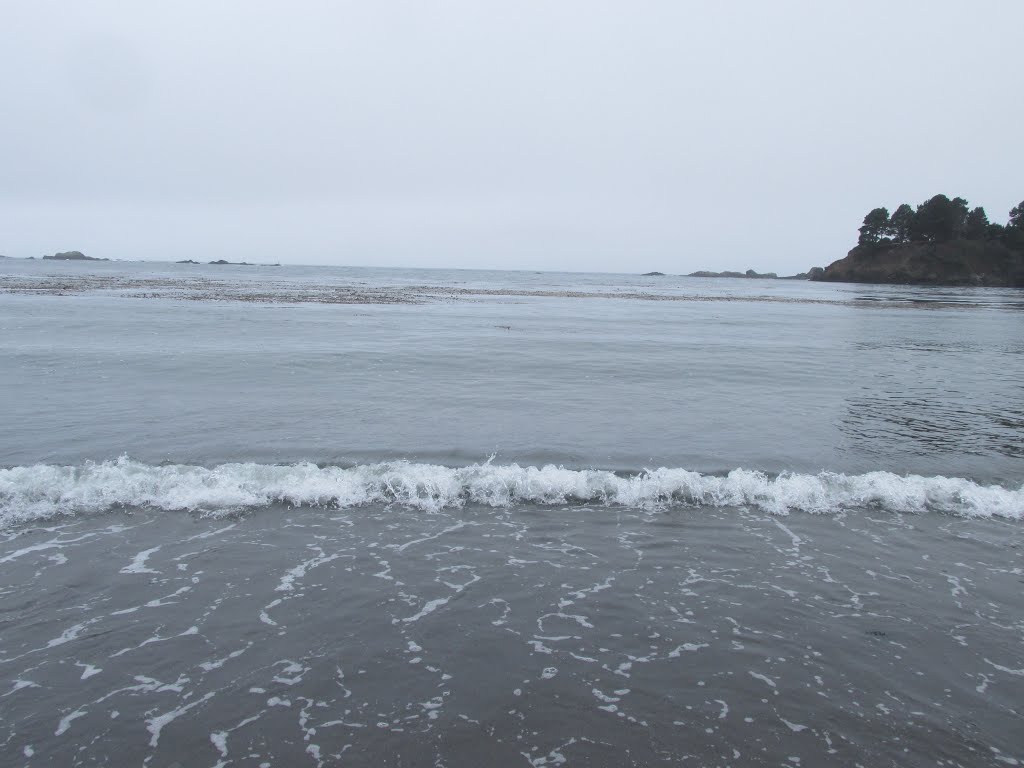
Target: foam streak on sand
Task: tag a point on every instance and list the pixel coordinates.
(42, 491)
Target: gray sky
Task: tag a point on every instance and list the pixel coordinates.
(626, 136)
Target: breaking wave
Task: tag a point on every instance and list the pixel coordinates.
(43, 491)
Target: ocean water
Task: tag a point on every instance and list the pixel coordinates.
(260, 515)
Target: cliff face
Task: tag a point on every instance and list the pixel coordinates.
(956, 262)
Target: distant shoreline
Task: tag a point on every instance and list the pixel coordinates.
(196, 287)
(71, 256)
(752, 275)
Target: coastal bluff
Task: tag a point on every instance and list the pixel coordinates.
(941, 242)
(953, 262)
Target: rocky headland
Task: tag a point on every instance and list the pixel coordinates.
(954, 262)
(941, 242)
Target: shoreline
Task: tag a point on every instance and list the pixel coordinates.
(295, 633)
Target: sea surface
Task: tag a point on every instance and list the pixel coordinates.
(315, 516)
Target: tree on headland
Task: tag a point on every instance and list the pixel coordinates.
(977, 224)
(943, 241)
(958, 217)
(876, 225)
(939, 219)
(1013, 233)
(995, 232)
(1017, 216)
(900, 223)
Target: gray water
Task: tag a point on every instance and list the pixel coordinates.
(296, 515)
(926, 381)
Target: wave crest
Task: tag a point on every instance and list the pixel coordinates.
(44, 491)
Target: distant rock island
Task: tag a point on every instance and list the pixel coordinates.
(941, 242)
(72, 256)
(653, 274)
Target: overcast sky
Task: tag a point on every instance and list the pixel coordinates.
(591, 136)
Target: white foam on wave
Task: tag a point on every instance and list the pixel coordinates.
(43, 491)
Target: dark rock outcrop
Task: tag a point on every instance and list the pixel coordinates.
(811, 274)
(954, 262)
(186, 261)
(653, 274)
(72, 256)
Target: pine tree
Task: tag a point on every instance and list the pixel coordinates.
(1017, 217)
(977, 224)
(899, 224)
(939, 219)
(876, 224)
